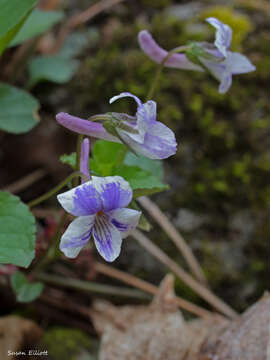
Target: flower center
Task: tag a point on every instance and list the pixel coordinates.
(100, 213)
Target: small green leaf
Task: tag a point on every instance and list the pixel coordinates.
(56, 68)
(106, 156)
(18, 110)
(142, 182)
(17, 231)
(153, 166)
(23, 289)
(76, 42)
(37, 23)
(69, 159)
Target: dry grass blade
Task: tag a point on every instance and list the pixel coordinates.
(149, 288)
(176, 237)
(81, 18)
(25, 182)
(200, 289)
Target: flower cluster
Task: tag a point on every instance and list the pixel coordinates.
(216, 58)
(100, 204)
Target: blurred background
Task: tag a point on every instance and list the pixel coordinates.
(219, 195)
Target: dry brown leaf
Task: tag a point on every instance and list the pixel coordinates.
(155, 332)
(247, 338)
(16, 334)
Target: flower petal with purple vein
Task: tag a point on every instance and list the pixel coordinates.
(82, 200)
(125, 220)
(114, 192)
(223, 35)
(107, 238)
(77, 235)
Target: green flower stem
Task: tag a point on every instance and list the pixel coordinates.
(78, 157)
(90, 287)
(56, 188)
(160, 68)
(100, 117)
(53, 251)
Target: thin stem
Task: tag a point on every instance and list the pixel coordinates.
(53, 191)
(175, 236)
(100, 117)
(91, 287)
(53, 251)
(78, 157)
(160, 68)
(149, 288)
(200, 289)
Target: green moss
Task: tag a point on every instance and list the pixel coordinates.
(65, 343)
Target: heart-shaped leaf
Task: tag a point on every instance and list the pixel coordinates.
(18, 110)
(17, 231)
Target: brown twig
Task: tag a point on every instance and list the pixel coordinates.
(149, 288)
(81, 18)
(200, 289)
(25, 182)
(175, 236)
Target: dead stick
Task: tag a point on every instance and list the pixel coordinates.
(25, 182)
(149, 288)
(200, 289)
(176, 237)
(81, 18)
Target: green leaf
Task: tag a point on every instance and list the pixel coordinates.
(153, 166)
(76, 42)
(12, 16)
(12, 12)
(141, 181)
(106, 156)
(18, 110)
(56, 68)
(17, 231)
(23, 289)
(37, 23)
(69, 159)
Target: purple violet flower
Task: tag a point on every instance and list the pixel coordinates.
(100, 207)
(143, 133)
(217, 59)
(84, 160)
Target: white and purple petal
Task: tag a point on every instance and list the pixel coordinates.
(126, 94)
(107, 238)
(82, 200)
(77, 235)
(223, 35)
(239, 64)
(125, 220)
(159, 142)
(114, 191)
(158, 54)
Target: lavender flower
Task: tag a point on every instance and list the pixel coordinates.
(100, 207)
(142, 133)
(84, 160)
(217, 58)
